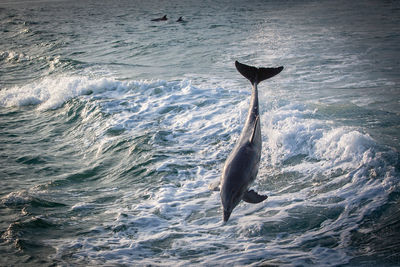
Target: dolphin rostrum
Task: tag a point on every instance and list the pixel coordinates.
(241, 166)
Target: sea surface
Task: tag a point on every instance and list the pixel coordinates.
(112, 126)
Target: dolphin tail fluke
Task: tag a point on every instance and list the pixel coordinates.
(256, 75)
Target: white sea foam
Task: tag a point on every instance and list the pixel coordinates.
(16, 198)
(82, 206)
(13, 56)
(181, 217)
(336, 167)
(53, 92)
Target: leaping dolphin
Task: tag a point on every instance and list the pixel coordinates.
(241, 167)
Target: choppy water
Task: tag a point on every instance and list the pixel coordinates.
(112, 127)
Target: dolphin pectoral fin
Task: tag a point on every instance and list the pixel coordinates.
(214, 186)
(253, 197)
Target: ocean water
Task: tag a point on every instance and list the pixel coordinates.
(112, 127)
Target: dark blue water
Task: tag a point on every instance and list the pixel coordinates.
(112, 127)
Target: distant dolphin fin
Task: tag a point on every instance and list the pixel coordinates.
(256, 75)
(214, 186)
(256, 124)
(253, 197)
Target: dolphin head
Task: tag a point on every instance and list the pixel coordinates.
(227, 214)
(234, 181)
(230, 198)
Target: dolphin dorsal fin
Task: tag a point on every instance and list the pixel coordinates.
(253, 134)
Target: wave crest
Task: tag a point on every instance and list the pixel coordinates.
(53, 92)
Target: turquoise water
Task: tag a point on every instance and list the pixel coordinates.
(112, 127)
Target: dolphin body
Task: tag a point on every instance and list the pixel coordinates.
(164, 18)
(241, 167)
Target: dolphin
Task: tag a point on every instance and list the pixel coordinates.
(160, 19)
(241, 167)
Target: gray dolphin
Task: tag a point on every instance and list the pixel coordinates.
(164, 18)
(241, 166)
